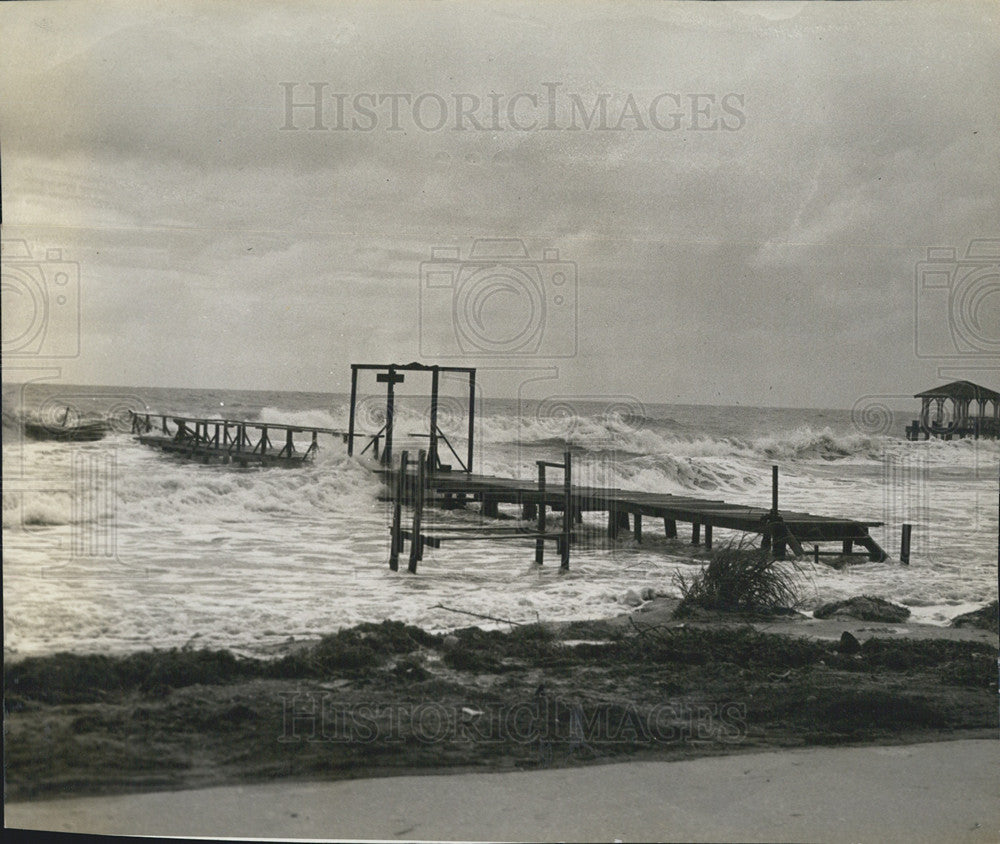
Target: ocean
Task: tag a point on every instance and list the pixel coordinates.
(111, 546)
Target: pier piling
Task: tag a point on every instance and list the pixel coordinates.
(904, 545)
(540, 543)
(396, 544)
(416, 539)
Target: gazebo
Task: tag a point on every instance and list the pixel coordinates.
(958, 409)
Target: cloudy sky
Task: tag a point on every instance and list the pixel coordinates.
(702, 202)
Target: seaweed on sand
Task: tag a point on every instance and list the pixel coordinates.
(359, 648)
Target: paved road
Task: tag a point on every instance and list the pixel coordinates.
(936, 792)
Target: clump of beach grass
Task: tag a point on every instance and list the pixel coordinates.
(739, 578)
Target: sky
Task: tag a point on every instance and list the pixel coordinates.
(707, 203)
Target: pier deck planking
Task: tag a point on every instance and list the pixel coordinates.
(702, 513)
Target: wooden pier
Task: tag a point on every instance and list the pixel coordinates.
(428, 480)
(780, 530)
(229, 440)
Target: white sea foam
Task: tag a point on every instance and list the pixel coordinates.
(144, 549)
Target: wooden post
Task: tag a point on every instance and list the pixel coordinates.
(354, 403)
(904, 547)
(528, 510)
(540, 543)
(433, 453)
(847, 547)
(390, 409)
(708, 537)
(416, 542)
(472, 417)
(695, 533)
(669, 528)
(396, 543)
(794, 543)
(612, 521)
(567, 510)
(816, 554)
(637, 526)
(779, 539)
(774, 489)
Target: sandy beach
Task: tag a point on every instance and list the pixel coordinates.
(941, 791)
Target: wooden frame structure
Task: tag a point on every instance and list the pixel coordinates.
(392, 374)
(413, 487)
(963, 420)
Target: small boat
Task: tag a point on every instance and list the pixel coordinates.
(63, 430)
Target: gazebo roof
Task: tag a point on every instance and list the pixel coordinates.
(959, 390)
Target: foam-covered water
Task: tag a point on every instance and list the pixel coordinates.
(110, 546)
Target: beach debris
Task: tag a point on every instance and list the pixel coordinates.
(848, 644)
(68, 426)
(864, 608)
(985, 618)
(631, 598)
(478, 615)
(739, 578)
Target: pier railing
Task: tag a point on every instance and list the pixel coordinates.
(780, 530)
(413, 487)
(231, 440)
